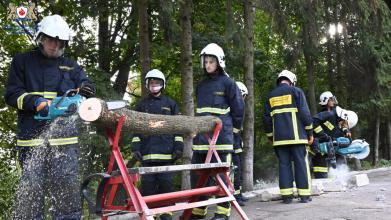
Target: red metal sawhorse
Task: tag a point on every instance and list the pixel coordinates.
(148, 206)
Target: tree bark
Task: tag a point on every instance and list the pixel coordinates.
(228, 22)
(377, 137)
(166, 21)
(248, 128)
(95, 110)
(123, 67)
(186, 81)
(145, 47)
(103, 36)
(309, 47)
(329, 49)
(389, 139)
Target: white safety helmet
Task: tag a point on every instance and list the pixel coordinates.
(347, 115)
(325, 96)
(289, 75)
(242, 88)
(214, 50)
(53, 26)
(157, 74)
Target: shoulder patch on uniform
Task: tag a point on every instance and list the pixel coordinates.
(280, 100)
(219, 93)
(66, 68)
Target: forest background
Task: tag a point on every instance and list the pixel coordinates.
(340, 46)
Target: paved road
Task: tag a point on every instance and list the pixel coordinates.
(372, 202)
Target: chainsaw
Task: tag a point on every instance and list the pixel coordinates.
(358, 149)
(69, 103)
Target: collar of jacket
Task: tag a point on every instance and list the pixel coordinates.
(150, 96)
(213, 76)
(283, 84)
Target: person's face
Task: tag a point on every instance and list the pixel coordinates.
(331, 103)
(52, 47)
(155, 86)
(210, 64)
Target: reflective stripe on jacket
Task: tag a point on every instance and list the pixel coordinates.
(326, 123)
(287, 118)
(31, 76)
(155, 148)
(218, 95)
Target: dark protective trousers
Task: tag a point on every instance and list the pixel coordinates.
(237, 180)
(298, 155)
(52, 170)
(152, 184)
(319, 166)
(222, 208)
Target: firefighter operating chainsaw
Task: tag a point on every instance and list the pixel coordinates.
(343, 146)
(333, 138)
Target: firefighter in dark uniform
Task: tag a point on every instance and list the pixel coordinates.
(219, 96)
(236, 155)
(157, 150)
(327, 126)
(47, 150)
(288, 125)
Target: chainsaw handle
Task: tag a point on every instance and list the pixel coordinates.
(66, 95)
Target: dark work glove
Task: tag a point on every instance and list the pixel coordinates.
(87, 90)
(177, 155)
(315, 146)
(41, 105)
(137, 155)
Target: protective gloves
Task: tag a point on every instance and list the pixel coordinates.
(177, 155)
(137, 155)
(87, 90)
(41, 106)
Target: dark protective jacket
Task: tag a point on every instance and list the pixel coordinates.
(31, 76)
(157, 148)
(218, 95)
(326, 125)
(287, 118)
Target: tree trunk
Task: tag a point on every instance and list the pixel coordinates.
(95, 110)
(329, 49)
(123, 67)
(389, 139)
(377, 137)
(103, 36)
(186, 81)
(145, 47)
(248, 133)
(309, 47)
(228, 23)
(166, 21)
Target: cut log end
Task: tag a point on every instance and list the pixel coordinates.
(90, 109)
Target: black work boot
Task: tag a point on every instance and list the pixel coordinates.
(165, 217)
(287, 199)
(239, 199)
(220, 217)
(244, 199)
(305, 199)
(195, 217)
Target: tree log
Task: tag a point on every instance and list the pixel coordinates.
(95, 110)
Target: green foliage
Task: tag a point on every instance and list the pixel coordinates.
(278, 44)
(367, 165)
(9, 177)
